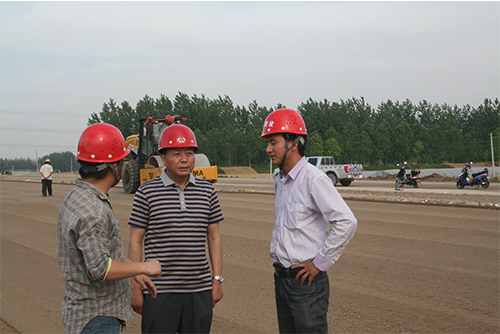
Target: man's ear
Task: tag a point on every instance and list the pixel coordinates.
(295, 147)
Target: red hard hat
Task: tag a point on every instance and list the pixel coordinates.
(284, 121)
(101, 143)
(178, 136)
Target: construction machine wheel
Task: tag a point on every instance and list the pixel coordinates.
(131, 177)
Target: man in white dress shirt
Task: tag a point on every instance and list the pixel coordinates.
(302, 247)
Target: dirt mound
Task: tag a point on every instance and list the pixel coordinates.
(475, 164)
(388, 177)
(437, 178)
(430, 178)
(238, 170)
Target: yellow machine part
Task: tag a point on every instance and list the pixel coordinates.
(132, 143)
(205, 173)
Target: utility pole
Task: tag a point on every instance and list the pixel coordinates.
(492, 155)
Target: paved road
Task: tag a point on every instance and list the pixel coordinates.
(410, 268)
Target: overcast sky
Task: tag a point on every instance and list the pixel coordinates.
(60, 61)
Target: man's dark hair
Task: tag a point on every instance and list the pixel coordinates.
(290, 137)
(93, 170)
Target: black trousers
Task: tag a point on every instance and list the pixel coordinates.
(46, 187)
(177, 313)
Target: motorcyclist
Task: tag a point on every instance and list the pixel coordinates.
(466, 171)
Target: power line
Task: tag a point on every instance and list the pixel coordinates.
(45, 147)
(42, 113)
(44, 130)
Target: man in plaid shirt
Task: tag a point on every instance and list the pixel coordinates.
(89, 250)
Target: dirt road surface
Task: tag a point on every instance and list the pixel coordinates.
(414, 268)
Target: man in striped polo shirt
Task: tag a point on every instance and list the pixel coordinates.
(174, 215)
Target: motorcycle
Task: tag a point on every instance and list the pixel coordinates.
(412, 178)
(478, 179)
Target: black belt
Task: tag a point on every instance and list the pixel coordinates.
(286, 272)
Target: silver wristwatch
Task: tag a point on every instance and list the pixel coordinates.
(218, 278)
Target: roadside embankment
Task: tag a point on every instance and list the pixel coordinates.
(431, 193)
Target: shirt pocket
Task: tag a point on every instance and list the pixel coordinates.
(296, 216)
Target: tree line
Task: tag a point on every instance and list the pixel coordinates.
(61, 161)
(352, 131)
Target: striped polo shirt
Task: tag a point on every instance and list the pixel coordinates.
(176, 222)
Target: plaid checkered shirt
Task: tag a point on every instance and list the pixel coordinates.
(88, 237)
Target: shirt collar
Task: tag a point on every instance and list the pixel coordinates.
(296, 169)
(91, 187)
(167, 181)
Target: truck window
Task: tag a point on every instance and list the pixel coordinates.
(326, 161)
(312, 161)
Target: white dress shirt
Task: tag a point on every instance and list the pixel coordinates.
(47, 170)
(306, 203)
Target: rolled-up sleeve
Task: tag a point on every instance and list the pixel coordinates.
(94, 243)
(336, 212)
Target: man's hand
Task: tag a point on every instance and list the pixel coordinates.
(153, 268)
(216, 292)
(309, 271)
(137, 298)
(146, 283)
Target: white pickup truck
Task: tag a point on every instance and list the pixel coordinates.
(343, 173)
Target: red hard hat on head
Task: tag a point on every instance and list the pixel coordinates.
(178, 136)
(101, 143)
(284, 121)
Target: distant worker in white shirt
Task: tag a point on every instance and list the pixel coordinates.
(46, 171)
(301, 246)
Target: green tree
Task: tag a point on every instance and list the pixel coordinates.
(382, 142)
(422, 135)
(315, 145)
(496, 144)
(61, 161)
(123, 117)
(145, 107)
(350, 143)
(436, 144)
(255, 146)
(365, 147)
(213, 148)
(163, 106)
(402, 139)
(418, 148)
(202, 142)
(386, 134)
(332, 148)
(453, 145)
(484, 120)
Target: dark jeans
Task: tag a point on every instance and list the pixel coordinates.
(46, 187)
(302, 308)
(177, 313)
(102, 325)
